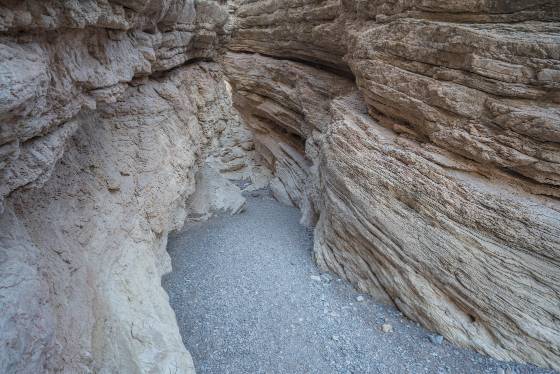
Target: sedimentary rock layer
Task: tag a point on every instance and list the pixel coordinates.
(61, 58)
(421, 137)
(89, 247)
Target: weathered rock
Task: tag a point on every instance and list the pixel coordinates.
(88, 247)
(484, 98)
(443, 231)
(214, 194)
(436, 339)
(387, 327)
(99, 146)
(287, 106)
(61, 58)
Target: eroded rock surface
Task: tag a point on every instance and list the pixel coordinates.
(103, 131)
(117, 191)
(59, 58)
(421, 139)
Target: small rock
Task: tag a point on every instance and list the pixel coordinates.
(436, 339)
(500, 371)
(360, 298)
(335, 338)
(387, 327)
(316, 278)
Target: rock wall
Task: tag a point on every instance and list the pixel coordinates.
(89, 246)
(103, 128)
(421, 138)
(59, 58)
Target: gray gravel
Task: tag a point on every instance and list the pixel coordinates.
(249, 299)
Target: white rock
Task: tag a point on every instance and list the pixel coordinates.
(387, 327)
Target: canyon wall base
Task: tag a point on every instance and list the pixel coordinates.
(466, 249)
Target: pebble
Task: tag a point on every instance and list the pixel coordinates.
(387, 327)
(360, 298)
(436, 339)
(316, 278)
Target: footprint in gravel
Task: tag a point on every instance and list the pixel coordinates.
(249, 299)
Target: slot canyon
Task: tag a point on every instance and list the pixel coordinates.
(396, 159)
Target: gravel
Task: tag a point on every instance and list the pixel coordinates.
(249, 299)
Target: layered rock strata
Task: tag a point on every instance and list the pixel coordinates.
(421, 140)
(61, 58)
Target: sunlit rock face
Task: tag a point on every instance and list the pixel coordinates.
(421, 139)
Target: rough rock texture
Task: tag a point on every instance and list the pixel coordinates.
(100, 142)
(59, 58)
(421, 138)
(214, 194)
(91, 242)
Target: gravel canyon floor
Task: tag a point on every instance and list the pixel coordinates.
(249, 299)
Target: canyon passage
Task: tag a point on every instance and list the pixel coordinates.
(249, 299)
(417, 140)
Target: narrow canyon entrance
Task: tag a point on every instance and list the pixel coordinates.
(249, 299)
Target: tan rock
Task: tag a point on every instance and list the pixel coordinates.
(77, 55)
(442, 236)
(386, 328)
(86, 251)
